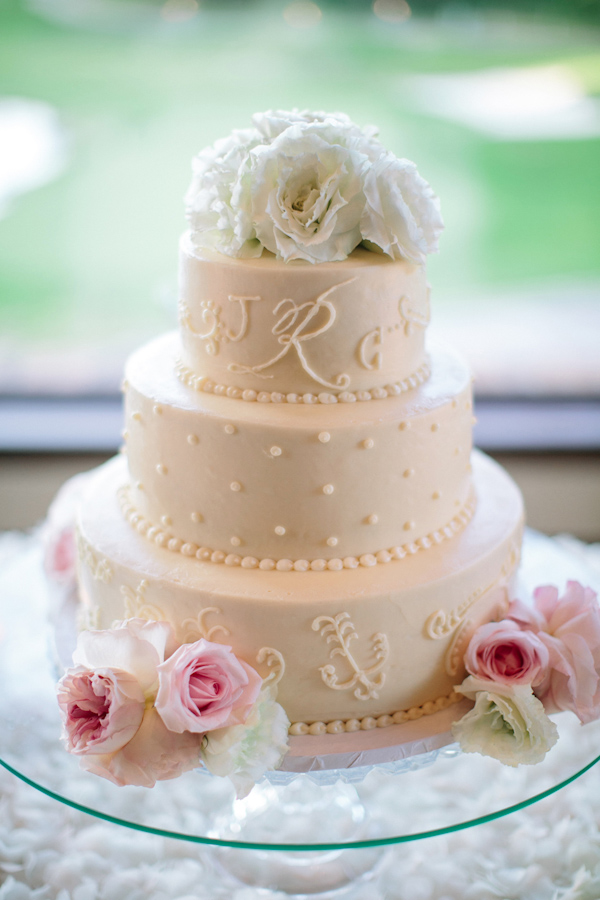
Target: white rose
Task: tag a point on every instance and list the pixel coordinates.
(243, 753)
(215, 219)
(507, 723)
(402, 214)
(304, 193)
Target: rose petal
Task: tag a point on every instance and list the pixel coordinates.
(154, 754)
(136, 647)
(101, 710)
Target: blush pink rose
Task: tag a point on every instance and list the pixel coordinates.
(204, 686)
(60, 555)
(153, 754)
(58, 532)
(502, 652)
(569, 627)
(101, 709)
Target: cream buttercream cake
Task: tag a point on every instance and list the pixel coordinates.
(298, 480)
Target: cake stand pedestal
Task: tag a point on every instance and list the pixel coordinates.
(321, 833)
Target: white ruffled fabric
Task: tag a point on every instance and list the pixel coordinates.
(551, 851)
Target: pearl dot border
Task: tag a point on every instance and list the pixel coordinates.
(163, 538)
(203, 384)
(368, 723)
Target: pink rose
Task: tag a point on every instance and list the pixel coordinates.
(58, 533)
(502, 652)
(203, 686)
(59, 558)
(101, 710)
(102, 699)
(569, 627)
(153, 754)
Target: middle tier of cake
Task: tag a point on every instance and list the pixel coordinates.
(295, 483)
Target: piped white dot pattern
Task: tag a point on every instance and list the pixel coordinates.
(163, 538)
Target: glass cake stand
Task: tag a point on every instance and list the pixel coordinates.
(314, 834)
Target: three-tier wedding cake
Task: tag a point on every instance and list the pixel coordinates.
(297, 481)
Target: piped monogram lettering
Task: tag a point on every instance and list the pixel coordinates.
(298, 324)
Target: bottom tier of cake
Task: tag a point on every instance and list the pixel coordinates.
(354, 648)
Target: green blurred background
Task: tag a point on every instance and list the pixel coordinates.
(104, 102)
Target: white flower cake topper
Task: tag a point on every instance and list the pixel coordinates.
(310, 186)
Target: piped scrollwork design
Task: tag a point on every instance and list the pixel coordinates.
(89, 618)
(100, 568)
(195, 629)
(443, 623)
(340, 630)
(292, 331)
(216, 332)
(137, 606)
(275, 663)
(412, 318)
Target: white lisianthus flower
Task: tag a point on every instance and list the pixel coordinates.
(215, 219)
(309, 186)
(507, 723)
(243, 753)
(401, 214)
(304, 193)
(270, 124)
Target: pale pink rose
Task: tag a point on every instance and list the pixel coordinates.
(58, 532)
(101, 710)
(60, 555)
(204, 686)
(569, 627)
(502, 652)
(154, 754)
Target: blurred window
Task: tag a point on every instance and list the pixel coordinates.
(103, 103)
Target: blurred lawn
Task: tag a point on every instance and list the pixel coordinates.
(93, 253)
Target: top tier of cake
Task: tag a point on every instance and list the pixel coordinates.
(271, 327)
